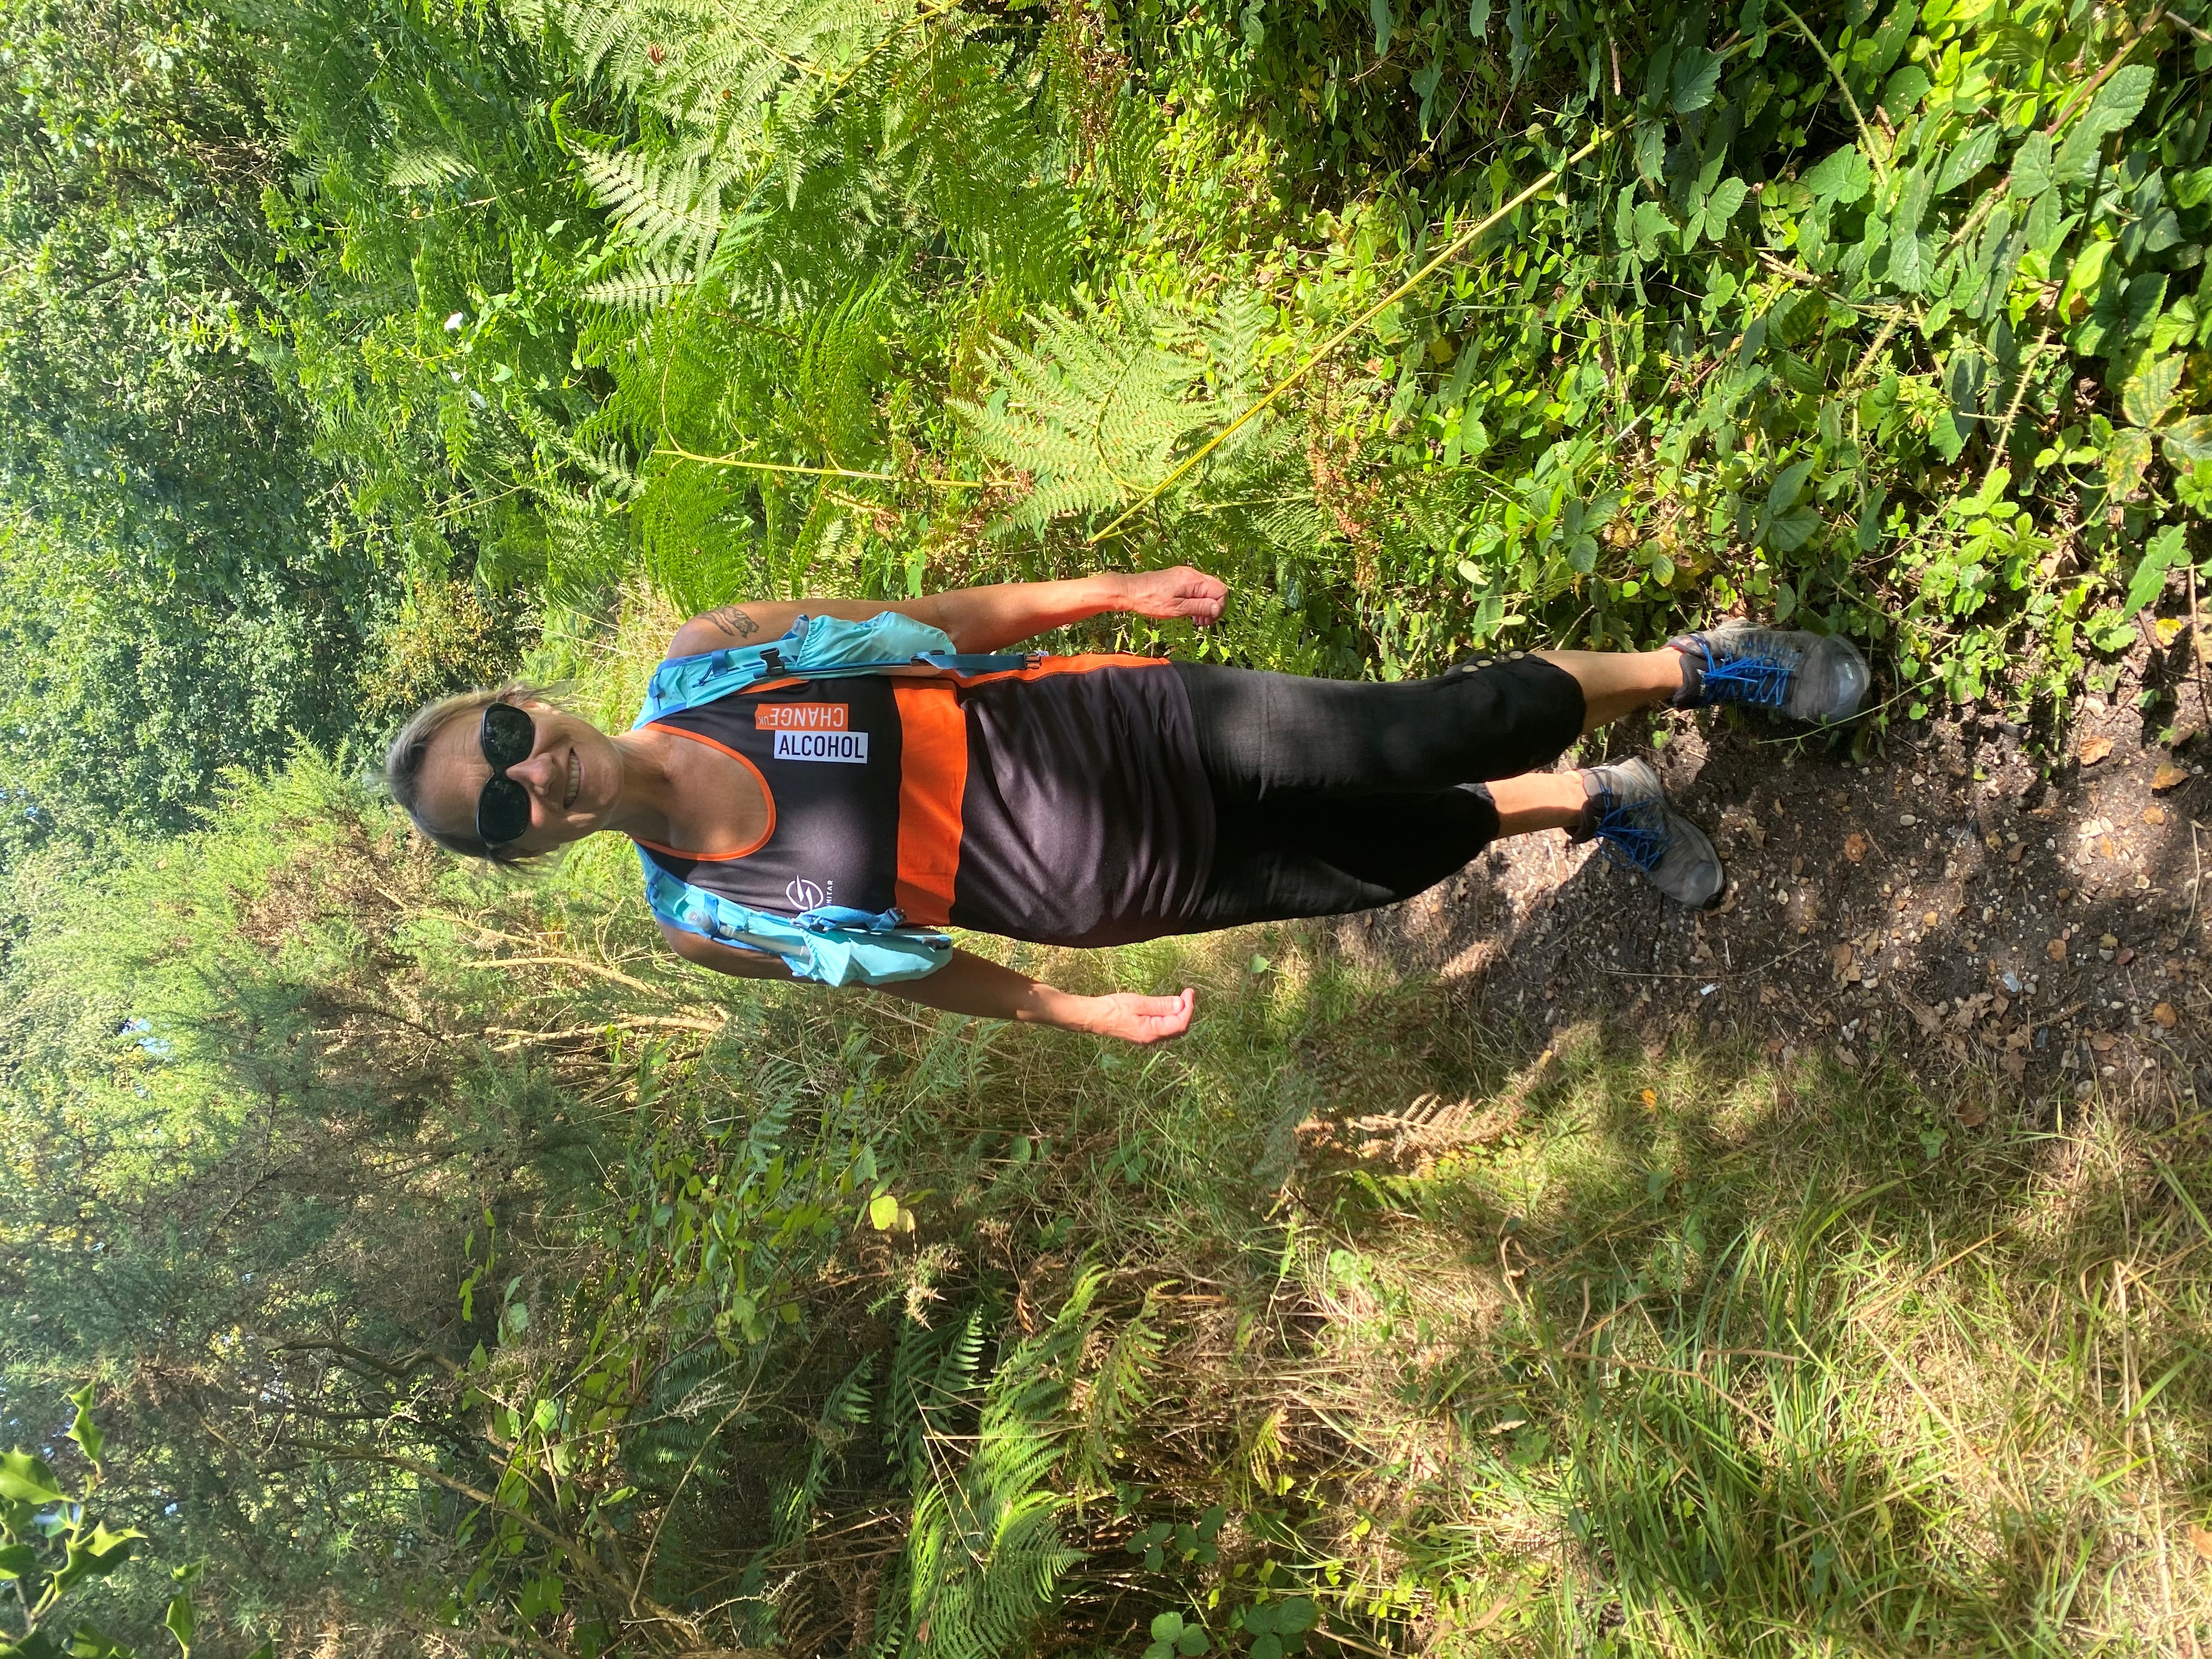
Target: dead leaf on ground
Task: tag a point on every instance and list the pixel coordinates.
(2168, 775)
(1972, 1114)
(1842, 957)
(2200, 1541)
(2154, 815)
(2094, 749)
(2056, 950)
(2166, 1019)
(1855, 848)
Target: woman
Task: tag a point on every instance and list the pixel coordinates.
(816, 826)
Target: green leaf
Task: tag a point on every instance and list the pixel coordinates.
(1948, 437)
(1787, 486)
(1721, 206)
(2126, 459)
(1792, 529)
(883, 1210)
(1975, 152)
(2118, 102)
(1297, 1613)
(2084, 276)
(2187, 442)
(2031, 166)
(2163, 553)
(1910, 261)
(84, 1430)
(1842, 177)
(97, 1556)
(1478, 19)
(1378, 12)
(1192, 1642)
(1913, 194)
(1697, 76)
(1269, 1646)
(1166, 1626)
(18, 1560)
(180, 1623)
(27, 1478)
(89, 1642)
(1904, 91)
(2147, 396)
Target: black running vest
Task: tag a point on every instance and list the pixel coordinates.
(1065, 804)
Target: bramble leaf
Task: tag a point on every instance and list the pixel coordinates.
(2148, 396)
(1976, 152)
(2118, 102)
(1696, 74)
(1842, 177)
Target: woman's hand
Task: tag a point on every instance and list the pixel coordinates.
(1181, 592)
(1138, 1019)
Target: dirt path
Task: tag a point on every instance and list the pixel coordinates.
(1949, 906)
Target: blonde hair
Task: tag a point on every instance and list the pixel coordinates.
(410, 747)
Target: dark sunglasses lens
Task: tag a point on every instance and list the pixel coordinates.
(502, 813)
(509, 735)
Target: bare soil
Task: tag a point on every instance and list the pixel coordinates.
(2018, 904)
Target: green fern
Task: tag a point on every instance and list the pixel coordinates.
(1117, 1394)
(669, 209)
(1108, 402)
(644, 287)
(985, 1556)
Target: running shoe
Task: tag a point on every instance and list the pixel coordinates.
(1819, 677)
(1628, 816)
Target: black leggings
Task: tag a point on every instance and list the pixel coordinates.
(1338, 795)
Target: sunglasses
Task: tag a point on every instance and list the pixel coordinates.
(507, 736)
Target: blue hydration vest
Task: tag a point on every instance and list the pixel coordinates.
(831, 943)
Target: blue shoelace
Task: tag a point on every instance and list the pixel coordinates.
(1754, 679)
(1635, 835)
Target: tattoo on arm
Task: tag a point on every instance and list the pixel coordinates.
(732, 622)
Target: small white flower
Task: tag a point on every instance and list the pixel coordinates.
(453, 322)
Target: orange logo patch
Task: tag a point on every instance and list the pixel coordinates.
(803, 717)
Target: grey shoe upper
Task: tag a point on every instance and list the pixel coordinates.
(1629, 818)
(1819, 677)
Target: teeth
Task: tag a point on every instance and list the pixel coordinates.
(575, 781)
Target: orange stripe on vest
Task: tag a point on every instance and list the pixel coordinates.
(932, 778)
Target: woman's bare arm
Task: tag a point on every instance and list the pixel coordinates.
(977, 618)
(972, 985)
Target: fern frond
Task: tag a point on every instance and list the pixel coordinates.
(668, 209)
(415, 169)
(1104, 405)
(647, 288)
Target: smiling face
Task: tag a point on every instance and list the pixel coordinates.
(573, 776)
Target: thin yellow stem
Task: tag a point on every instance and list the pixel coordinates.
(682, 454)
(1452, 250)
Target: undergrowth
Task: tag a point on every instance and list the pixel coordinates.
(745, 1316)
